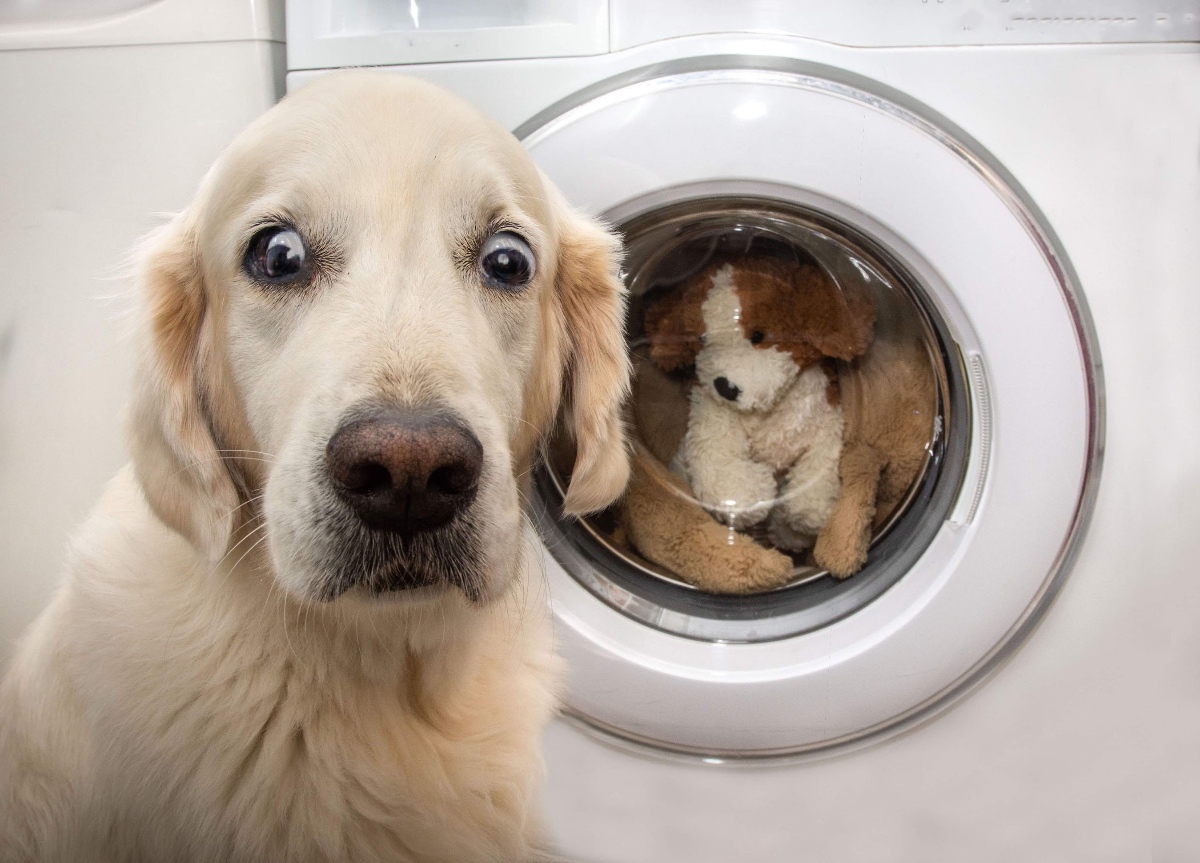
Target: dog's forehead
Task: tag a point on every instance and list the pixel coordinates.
(362, 139)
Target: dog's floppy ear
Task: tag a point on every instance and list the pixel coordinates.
(841, 322)
(591, 304)
(184, 478)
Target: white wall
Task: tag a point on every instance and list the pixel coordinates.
(95, 144)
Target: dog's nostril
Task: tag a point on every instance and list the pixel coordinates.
(725, 389)
(452, 479)
(367, 478)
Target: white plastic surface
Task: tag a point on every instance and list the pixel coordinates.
(72, 23)
(325, 34)
(878, 23)
(974, 582)
(46, 11)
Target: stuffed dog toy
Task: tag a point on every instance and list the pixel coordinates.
(888, 402)
(765, 426)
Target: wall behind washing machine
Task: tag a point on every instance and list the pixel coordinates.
(98, 143)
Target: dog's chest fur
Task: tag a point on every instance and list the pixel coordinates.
(253, 733)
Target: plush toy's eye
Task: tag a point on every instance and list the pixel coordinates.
(506, 261)
(756, 337)
(277, 256)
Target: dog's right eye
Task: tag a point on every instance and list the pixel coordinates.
(277, 256)
(506, 261)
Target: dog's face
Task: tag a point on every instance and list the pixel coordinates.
(751, 327)
(360, 330)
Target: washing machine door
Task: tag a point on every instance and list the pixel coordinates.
(887, 200)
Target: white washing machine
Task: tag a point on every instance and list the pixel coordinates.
(1016, 188)
(110, 112)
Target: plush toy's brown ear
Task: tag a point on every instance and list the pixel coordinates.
(184, 478)
(846, 317)
(591, 304)
(675, 323)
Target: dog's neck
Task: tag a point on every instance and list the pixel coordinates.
(429, 639)
(393, 696)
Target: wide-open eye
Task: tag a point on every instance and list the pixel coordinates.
(506, 261)
(277, 255)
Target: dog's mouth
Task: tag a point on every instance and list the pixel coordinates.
(379, 562)
(400, 510)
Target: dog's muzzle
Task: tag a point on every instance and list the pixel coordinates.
(405, 471)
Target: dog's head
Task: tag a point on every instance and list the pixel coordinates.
(752, 326)
(358, 332)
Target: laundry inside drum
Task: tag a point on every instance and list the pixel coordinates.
(791, 403)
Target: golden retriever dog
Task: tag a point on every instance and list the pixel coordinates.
(307, 623)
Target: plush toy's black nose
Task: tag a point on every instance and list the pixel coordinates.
(405, 471)
(726, 390)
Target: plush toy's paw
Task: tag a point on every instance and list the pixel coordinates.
(844, 541)
(783, 535)
(842, 552)
(734, 563)
(806, 505)
(739, 494)
(666, 527)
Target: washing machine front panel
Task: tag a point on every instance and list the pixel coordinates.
(1016, 326)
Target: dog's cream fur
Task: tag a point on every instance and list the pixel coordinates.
(187, 696)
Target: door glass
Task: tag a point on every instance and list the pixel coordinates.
(789, 409)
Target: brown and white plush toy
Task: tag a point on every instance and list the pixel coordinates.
(886, 398)
(765, 427)
(888, 403)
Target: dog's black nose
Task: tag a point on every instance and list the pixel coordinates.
(405, 471)
(726, 390)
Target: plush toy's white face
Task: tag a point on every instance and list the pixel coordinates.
(734, 367)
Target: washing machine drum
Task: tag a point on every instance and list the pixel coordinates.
(865, 412)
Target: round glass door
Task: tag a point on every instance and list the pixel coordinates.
(800, 423)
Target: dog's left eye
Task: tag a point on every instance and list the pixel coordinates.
(506, 261)
(756, 337)
(277, 255)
